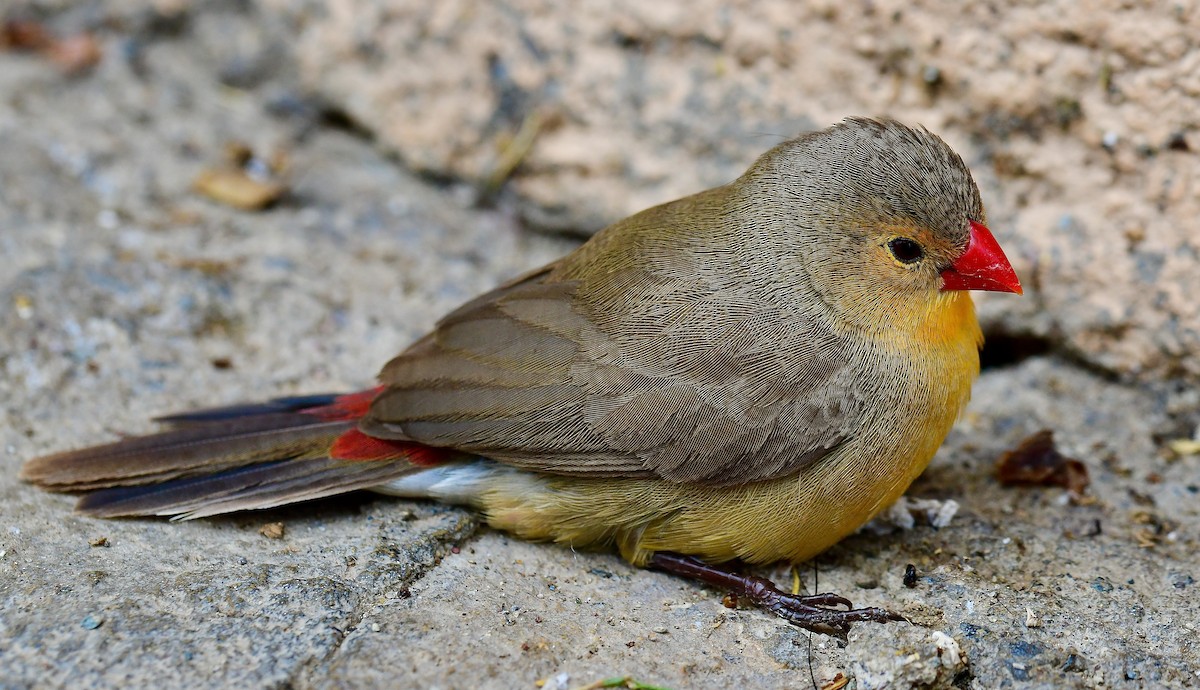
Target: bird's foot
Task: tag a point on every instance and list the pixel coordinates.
(816, 612)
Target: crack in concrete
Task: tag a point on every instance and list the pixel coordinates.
(423, 552)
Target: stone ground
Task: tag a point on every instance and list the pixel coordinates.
(126, 294)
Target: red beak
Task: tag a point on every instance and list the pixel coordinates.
(982, 267)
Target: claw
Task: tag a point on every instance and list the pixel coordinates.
(822, 599)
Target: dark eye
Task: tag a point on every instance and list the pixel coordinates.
(905, 250)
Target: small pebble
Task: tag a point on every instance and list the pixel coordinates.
(91, 622)
(24, 306)
(949, 652)
(272, 530)
(1031, 619)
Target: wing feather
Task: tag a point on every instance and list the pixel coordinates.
(607, 365)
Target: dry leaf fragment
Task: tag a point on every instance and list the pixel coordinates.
(16, 34)
(237, 189)
(73, 54)
(1036, 462)
(272, 530)
(1184, 447)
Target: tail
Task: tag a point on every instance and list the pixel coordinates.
(241, 457)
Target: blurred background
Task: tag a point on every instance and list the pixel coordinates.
(202, 202)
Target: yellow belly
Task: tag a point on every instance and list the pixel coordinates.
(788, 519)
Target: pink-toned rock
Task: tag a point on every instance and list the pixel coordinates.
(1080, 119)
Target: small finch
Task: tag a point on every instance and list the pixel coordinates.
(749, 373)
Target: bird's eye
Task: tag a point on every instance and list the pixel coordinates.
(905, 250)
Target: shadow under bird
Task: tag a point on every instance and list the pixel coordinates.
(749, 373)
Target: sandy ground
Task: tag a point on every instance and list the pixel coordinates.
(125, 294)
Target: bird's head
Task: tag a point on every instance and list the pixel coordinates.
(883, 220)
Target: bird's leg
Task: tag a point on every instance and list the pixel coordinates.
(810, 612)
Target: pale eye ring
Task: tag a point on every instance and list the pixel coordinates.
(905, 251)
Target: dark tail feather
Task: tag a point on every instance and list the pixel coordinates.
(231, 458)
(185, 451)
(264, 485)
(294, 403)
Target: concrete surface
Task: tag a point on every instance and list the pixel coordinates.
(124, 294)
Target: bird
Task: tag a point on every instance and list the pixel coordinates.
(746, 375)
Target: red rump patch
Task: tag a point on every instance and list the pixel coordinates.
(347, 407)
(356, 446)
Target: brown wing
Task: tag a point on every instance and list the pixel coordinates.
(606, 371)
(497, 377)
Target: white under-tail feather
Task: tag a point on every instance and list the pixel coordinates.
(460, 483)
